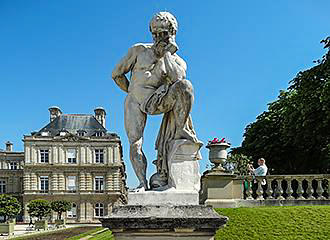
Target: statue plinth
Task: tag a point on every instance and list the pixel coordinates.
(184, 178)
(164, 222)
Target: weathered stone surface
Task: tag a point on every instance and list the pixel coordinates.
(164, 218)
(168, 197)
(183, 165)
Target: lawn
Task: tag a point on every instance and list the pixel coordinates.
(262, 223)
(268, 223)
(60, 234)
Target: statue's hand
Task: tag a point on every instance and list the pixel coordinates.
(171, 47)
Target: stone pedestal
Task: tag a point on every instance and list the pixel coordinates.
(168, 197)
(163, 222)
(183, 165)
(220, 190)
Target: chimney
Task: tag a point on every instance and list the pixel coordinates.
(100, 115)
(9, 147)
(54, 112)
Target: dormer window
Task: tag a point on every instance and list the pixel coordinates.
(99, 134)
(45, 134)
(63, 133)
(81, 133)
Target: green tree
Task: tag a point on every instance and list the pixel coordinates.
(39, 208)
(293, 135)
(9, 206)
(60, 206)
(239, 162)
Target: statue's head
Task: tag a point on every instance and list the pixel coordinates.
(163, 22)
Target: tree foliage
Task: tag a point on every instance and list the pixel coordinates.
(39, 208)
(9, 206)
(239, 163)
(60, 206)
(293, 135)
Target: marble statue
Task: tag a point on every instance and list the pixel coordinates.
(157, 85)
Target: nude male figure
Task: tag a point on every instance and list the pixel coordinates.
(157, 85)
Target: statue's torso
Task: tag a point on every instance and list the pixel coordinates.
(147, 74)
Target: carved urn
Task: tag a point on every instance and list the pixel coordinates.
(218, 154)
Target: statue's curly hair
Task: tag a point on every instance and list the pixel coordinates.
(164, 20)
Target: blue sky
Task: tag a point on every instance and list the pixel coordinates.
(239, 55)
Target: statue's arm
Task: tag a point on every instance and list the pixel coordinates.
(124, 66)
(175, 67)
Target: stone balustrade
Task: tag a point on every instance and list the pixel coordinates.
(220, 189)
(286, 187)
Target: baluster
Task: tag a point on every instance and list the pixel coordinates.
(320, 189)
(269, 189)
(260, 190)
(280, 190)
(310, 189)
(327, 191)
(289, 189)
(249, 190)
(300, 189)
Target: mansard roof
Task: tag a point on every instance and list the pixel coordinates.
(73, 123)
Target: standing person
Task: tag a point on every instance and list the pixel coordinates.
(261, 170)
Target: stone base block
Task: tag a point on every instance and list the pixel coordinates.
(183, 165)
(167, 197)
(152, 235)
(163, 222)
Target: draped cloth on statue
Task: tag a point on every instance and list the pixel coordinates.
(163, 100)
(164, 140)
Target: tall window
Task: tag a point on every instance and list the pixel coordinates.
(44, 184)
(72, 213)
(13, 165)
(2, 186)
(71, 155)
(99, 184)
(99, 210)
(99, 156)
(72, 183)
(44, 155)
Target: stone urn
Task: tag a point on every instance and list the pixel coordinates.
(218, 155)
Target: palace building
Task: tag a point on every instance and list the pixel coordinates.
(74, 158)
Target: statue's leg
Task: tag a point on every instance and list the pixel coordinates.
(183, 93)
(135, 121)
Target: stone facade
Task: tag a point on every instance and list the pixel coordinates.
(11, 172)
(74, 158)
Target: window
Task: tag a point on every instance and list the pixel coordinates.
(44, 134)
(13, 165)
(71, 156)
(44, 155)
(81, 133)
(63, 133)
(99, 156)
(99, 184)
(99, 134)
(99, 210)
(2, 186)
(72, 213)
(71, 184)
(44, 184)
